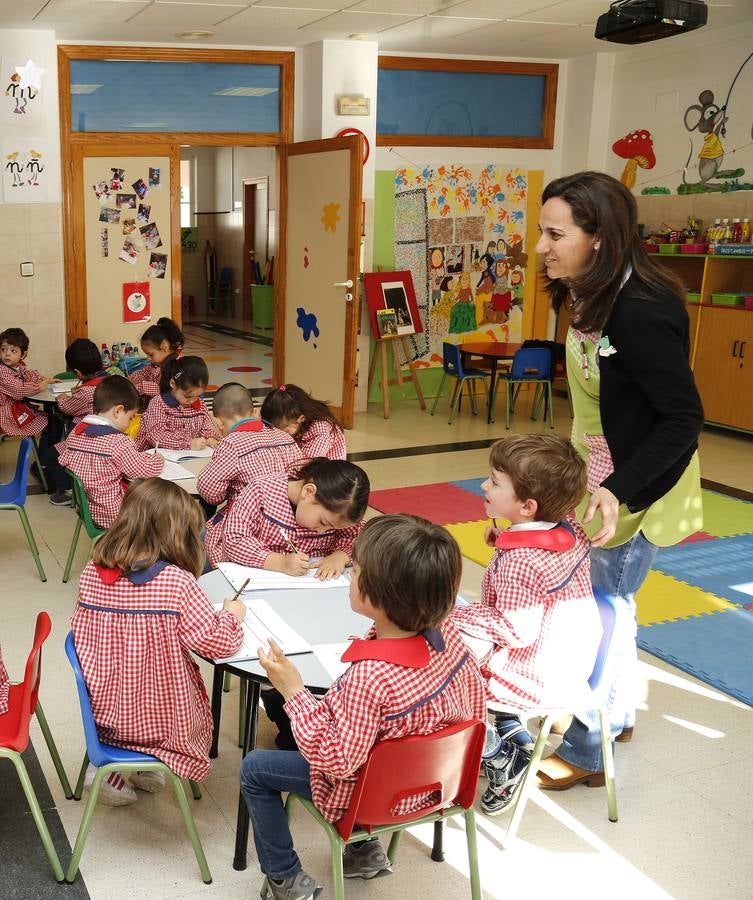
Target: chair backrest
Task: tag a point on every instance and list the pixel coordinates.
(94, 748)
(558, 350)
(446, 761)
(534, 363)
(30, 686)
(81, 503)
(452, 360)
(608, 613)
(17, 493)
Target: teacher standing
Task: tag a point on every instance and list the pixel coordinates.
(637, 417)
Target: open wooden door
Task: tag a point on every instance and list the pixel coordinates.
(316, 310)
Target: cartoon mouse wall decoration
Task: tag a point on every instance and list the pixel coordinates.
(708, 119)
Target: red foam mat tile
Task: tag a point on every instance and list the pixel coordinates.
(442, 503)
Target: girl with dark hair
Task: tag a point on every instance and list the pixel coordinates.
(637, 417)
(309, 421)
(178, 419)
(159, 342)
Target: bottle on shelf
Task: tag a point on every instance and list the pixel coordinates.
(745, 231)
(737, 231)
(105, 356)
(727, 234)
(115, 353)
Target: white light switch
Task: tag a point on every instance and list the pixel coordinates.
(27, 269)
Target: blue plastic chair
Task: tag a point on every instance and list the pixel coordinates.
(13, 496)
(599, 689)
(529, 366)
(109, 759)
(453, 367)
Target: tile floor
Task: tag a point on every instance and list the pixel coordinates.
(685, 783)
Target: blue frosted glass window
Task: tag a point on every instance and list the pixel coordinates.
(479, 104)
(131, 95)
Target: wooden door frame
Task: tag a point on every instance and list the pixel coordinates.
(141, 144)
(249, 225)
(327, 145)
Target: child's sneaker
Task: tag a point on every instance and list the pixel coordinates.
(114, 791)
(300, 887)
(505, 772)
(151, 782)
(61, 498)
(367, 861)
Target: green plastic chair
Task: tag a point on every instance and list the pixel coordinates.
(13, 496)
(445, 762)
(83, 517)
(23, 703)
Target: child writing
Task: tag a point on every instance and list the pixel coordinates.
(537, 628)
(158, 342)
(18, 381)
(278, 522)
(177, 418)
(140, 614)
(100, 454)
(406, 573)
(317, 431)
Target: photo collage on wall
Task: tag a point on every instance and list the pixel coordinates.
(460, 231)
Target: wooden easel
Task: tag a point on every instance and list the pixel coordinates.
(380, 353)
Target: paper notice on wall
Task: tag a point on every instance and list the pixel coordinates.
(136, 302)
(25, 163)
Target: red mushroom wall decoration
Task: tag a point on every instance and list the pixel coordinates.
(638, 149)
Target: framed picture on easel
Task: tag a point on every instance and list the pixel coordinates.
(391, 294)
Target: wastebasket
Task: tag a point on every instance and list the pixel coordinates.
(263, 305)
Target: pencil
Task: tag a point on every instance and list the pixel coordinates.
(241, 589)
(494, 522)
(288, 541)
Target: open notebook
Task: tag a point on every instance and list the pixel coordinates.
(179, 455)
(261, 624)
(63, 387)
(172, 471)
(265, 580)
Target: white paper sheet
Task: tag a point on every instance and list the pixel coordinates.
(178, 455)
(261, 623)
(171, 471)
(329, 656)
(264, 580)
(63, 387)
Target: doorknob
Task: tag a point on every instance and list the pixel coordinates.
(345, 284)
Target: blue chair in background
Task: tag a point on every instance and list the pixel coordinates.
(109, 759)
(529, 366)
(452, 363)
(13, 496)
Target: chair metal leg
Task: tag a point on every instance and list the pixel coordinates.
(508, 402)
(336, 857)
(519, 803)
(36, 811)
(472, 392)
(53, 752)
(548, 389)
(455, 400)
(72, 551)
(86, 822)
(193, 834)
(439, 393)
(608, 756)
(80, 782)
(394, 844)
(32, 542)
(195, 790)
(40, 469)
(470, 837)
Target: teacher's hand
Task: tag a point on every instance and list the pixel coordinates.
(607, 505)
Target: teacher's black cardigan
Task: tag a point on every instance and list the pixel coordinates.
(650, 409)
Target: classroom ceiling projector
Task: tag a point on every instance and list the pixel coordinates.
(641, 21)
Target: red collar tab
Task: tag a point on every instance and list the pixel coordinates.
(94, 429)
(95, 379)
(171, 400)
(248, 425)
(412, 652)
(109, 576)
(559, 539)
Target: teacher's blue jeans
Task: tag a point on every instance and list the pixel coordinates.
(265, 775)
(619, 571)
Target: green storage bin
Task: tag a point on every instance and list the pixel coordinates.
(669, 249)
(722, 299)
(693, 297)
(263, 305)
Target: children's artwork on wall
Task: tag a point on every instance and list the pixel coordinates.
(638, 149)
(307, 323)
(24, 171)
(392, 291)
(331, 216)
(709, 119)
(23, 85)
(459, 230)
(136, 302)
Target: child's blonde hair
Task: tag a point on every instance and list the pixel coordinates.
(542, 467)
(158, 520)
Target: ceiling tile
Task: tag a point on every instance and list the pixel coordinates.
(425, 31)
(570, 12)
(327, 5)
(68, 13)
(272, 19)
(495, 9)
(185, 16)
(349, 22)
(414, 7)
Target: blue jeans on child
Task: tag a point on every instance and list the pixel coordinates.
(265, 775)
(619, 572)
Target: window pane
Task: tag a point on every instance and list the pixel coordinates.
(126, 95)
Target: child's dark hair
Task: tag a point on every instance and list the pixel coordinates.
(542, 467)
(232, 399)
(445, 285)
(84, 356)
(341, 487)
(287, 402)
(410, 568)
(115, 391)
(187, 372)
(16, 337)
(164, 330)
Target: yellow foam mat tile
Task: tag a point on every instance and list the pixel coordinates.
(726, 516)
(662, 599)
(470, 537)
(216, 357)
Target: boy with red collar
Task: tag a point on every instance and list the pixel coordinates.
(102, 456)
(17, 382)
(537, 627)
(412, 674)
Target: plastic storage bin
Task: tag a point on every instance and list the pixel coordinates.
(693, 297)
(722, 299)
(694, 248)
(263, 305)
(669, 249)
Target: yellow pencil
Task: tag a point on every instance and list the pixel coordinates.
(288, 541)
(241, 589)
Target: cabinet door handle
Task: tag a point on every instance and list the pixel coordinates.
(734, 348)
(742, 349)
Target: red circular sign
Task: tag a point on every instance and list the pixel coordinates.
(367, 147)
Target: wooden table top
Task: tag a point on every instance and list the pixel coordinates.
(496, 349)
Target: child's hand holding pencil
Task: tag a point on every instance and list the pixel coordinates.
(234, 605)
(297, 562)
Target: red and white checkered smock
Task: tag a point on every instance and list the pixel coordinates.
(537, 608)
(15, 385)
(173, 426)
(252, 449)
(323, 438)
(393, 688)
(134, 636)
(255, 525)
(4, 685)
(101, 456)
(80, 403)
(147, 379)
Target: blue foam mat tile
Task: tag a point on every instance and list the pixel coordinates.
(470, 484)
(712, 566)
(717, 649)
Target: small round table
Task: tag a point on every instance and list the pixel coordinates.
(494, 351)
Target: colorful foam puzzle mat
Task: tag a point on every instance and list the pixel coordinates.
(695, 609)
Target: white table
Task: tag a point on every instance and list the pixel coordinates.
(194, 465)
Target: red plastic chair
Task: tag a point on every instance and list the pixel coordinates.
(14, 735)
(446, 761)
